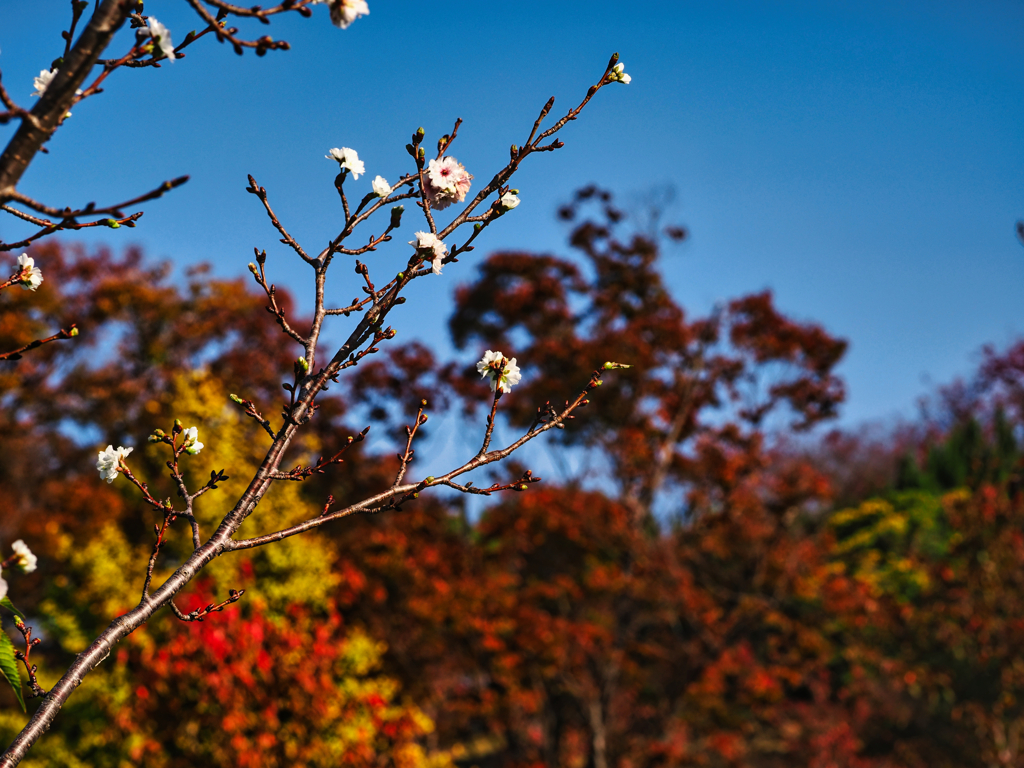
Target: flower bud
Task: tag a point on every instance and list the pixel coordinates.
(396, 216)
(508, 201)
(73, 332)
(303, 364)
(236, 399)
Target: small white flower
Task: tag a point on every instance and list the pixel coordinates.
(618, 74)
(381, 188)
(29, 275)
(344, 12)
(3, 589)
(509, 201)
(349, 160)
(42, 82)
(426, 241)
(26, 560)
(109, 461)
(503, 373)
(161, 36)
(192, 444)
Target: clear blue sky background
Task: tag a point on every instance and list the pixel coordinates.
(863, 160)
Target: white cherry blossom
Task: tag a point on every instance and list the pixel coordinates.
(503, 372)
(348, 159)
(30, 276)
(344, 12)
(381, 188)
(26, 560)
(108, 461)
(161, 36)
(426, 241)
(191, 441)
(618, 74)
(42, 82)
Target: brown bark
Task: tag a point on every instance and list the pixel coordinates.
(44, 118)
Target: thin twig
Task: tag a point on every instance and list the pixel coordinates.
(410, 431)
(394, 496)
(64, 333)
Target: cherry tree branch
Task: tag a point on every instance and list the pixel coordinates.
(302, 405)
(397, 494)
(63, 333)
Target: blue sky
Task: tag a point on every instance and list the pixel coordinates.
(863, 160)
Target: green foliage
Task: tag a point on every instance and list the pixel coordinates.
(968, 455)
(891, 543)
(9, 667)
(8, 662)
(6, 603)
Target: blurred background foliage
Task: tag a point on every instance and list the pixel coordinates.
(726, 586)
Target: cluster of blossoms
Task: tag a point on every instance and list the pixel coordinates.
(30, 276)
(161, 36)
(427, 241)
(618, 75)
(348, 159)
(503, 373)
(344, 12)
(447, 182)
(109, 462)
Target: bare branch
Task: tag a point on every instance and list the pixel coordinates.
(410, 431)
(286, 238)
(395, 495)
(64, 333)
(200, 613)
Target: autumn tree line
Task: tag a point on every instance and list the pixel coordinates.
(717, 581)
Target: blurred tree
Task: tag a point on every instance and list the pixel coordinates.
(690, 413)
